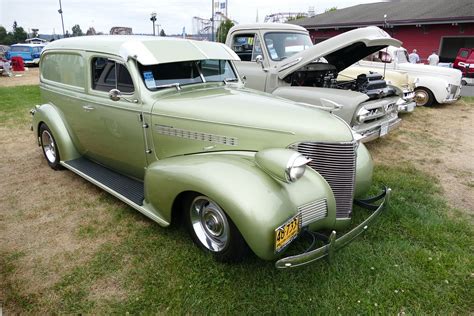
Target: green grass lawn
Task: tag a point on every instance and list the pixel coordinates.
(416, 259)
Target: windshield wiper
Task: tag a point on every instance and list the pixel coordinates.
(227, 80)
(170, 85)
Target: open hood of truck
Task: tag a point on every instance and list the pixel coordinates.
(341, 51)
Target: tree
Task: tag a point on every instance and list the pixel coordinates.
(223, 29)
(297, 17)
(162, 32)
(3, 35)
(15, 25)
(91, 31)
(330, 9)
(67, 34)
(34, 32)
(76, 30)
(19, 35)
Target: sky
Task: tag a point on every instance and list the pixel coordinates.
(172, 15)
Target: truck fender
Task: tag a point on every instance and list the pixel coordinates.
(256, 202)
(48, 114)
(437, 86)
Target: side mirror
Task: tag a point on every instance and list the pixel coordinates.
(115, 94)
(259, 60)
(385, 57)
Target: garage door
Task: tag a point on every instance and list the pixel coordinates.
(451, 45)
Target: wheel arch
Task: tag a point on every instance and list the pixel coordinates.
(49, 115)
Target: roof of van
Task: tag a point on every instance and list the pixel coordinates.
(148, 50)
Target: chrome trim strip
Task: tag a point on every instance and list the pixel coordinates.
(195, 135)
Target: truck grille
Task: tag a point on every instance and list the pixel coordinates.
(374, 110)
(336, 162)
(313, 211)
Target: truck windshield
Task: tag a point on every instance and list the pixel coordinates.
(402, 56)
(187, 72)
(281, 45)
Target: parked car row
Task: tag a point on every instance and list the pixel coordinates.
(169, 127)
(30, 53)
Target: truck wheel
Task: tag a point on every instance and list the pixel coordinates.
(212, 230)
(424, 97)
(49, 147)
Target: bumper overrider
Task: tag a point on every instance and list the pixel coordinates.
(332, 242)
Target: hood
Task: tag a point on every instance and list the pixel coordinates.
(341, 51)
(454, 75)
(224, 118)
(392, 77)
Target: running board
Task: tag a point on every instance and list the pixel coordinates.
(126, 189)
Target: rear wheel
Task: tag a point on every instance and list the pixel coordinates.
(424, 97)
(212, 230)
(49, 147)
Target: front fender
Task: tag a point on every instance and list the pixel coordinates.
(256, 202)
(436, 85)
(350, 100)
(48, 114)
(364, 171)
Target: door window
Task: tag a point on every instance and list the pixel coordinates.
(108, 74)
(246, 46)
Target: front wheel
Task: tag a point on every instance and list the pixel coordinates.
(212, 230)
(424, 97)
(49, 147)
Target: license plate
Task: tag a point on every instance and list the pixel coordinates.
(383, 129)
(287, 232)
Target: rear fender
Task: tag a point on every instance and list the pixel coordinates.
(48, 114)
(256, 202)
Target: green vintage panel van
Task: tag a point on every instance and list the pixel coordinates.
(167, 126)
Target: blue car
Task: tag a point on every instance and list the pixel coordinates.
(29, 52)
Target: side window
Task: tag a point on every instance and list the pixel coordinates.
(243, 46)
(63, 68)
(108, 74)
(257, 48)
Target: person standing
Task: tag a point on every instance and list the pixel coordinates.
(413, 57)
(433, 59)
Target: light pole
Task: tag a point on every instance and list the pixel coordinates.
(60, 11)
(153, 19)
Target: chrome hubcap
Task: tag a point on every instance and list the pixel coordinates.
(421, 97)
(49, 148)
(209, 223)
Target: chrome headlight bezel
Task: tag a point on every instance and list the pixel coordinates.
(296, 167)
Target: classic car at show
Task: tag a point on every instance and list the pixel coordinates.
(432, 83)
(167, 126)
(397, 79)
(280, 59)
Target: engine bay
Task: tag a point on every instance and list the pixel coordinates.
(324, 75)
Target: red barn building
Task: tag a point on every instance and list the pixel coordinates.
(425, 25)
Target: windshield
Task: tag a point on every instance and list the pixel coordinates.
(20, 49)
(282, 45)
(187, 72)
(402, 56)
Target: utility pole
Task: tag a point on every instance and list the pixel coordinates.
(212, 20)
(153, 19)
(60, 11)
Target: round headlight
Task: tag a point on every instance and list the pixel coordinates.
(296, 167)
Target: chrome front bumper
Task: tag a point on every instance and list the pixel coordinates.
(375, 132)
(333, 244)
(406, 107)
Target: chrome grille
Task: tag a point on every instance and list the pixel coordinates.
(336, 162)
(454, 89)
(313, 211)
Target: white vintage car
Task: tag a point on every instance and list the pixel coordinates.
(432, 83)
(397, 79)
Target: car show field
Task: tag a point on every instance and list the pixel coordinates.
(69, 247)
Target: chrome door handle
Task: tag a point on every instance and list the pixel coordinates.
(88, 108)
